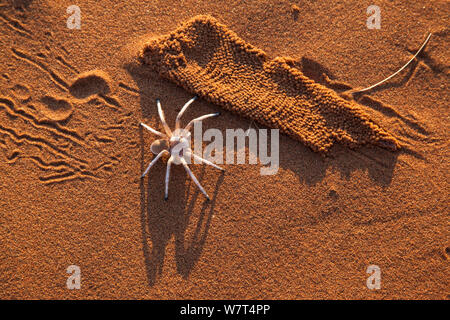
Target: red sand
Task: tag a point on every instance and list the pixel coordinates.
(206, 58)
(72, 153)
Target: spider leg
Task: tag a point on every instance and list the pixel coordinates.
(153, 162)
(185, 165)
(188, 127)
(166, 191)
(205, 161)
(163, 119)
(177, 121)
(153, 130)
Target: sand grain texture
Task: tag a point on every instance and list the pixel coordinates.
(209, 60)
(72, 153)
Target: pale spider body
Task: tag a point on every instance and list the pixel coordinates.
(177, 145)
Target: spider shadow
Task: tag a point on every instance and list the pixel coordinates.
(161, 220)
(187, 253)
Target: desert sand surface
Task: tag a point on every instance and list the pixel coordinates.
(72, 153)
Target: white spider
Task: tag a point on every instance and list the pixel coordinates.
(177, 144)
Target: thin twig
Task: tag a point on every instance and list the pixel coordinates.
(399, 70)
